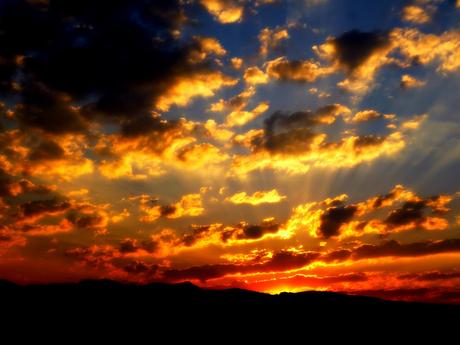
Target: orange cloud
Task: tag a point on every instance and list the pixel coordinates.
(256, 198)
(301, 71)
(242, 117)
(417, 15)
(185, 88)
(365, 115)
(237, 102)
(236, 62)
(254, 76)
(271, 39)
(350, 151)
(207, 46)
(189, 205)
(409, 82)
(426, 48)
(229, 11)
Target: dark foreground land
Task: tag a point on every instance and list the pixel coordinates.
(156, 305)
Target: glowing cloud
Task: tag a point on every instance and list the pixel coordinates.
(257, 198)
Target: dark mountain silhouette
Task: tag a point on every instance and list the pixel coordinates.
(105, 301)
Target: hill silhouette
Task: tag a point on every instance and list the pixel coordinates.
(107, 301)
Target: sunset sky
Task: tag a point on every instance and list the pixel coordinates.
(263, 144)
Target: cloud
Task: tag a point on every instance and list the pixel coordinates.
(416, 14)
(420, 11)
(37, 209)
(362, 54)
(364, 115)
(412, 214)
(353, 49)
(302, 282)
(334, 218)
(185, 88)
(199, 155)
(294, 142)
(149, 149)
(236, 62)
(292, 133)
(271, 40)
(242, 117)
(430, 276)
(139, 62)
(60, 117)
(394, 248)
(31, 209)
(189, 205)
(281, 261)
(254, 76)
(409, 82)
(226, 12)
(245, 231)
(10, 239)
(129, 245)
(359, 54)
(426, 48)
(234, 103)
(256, 198)
(300, 71)
(207, 46)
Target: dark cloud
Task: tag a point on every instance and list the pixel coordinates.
(128, 246)
(5, 184)
(132, 246)
(368, 140)
(167, 210)
(294, 132)
(48, 110)
(430, 276)
(86, 221)
(337, 255)
(411, 211)
(334, 217)
(11, 186)
(245, 231)
(280, 261)
(112, 58)
(47, 150)
(355, 47)
(395, 248)
(37, 208)
(381, 199)
(147, 124)
(139, 267)
(302, 119)
(198, 232)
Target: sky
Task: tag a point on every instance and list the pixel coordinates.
(261, 144)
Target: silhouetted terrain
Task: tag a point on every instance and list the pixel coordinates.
(105, 301)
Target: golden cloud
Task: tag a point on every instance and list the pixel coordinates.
(236, 62)
(225, 11)
(242, 117)
(409, 82)
(207, 46)
(257, 198)
(185, 88)
(350, 151)
(417, 15)
(271, 39)
(189, 205)
(301, 71)
(254, 76)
